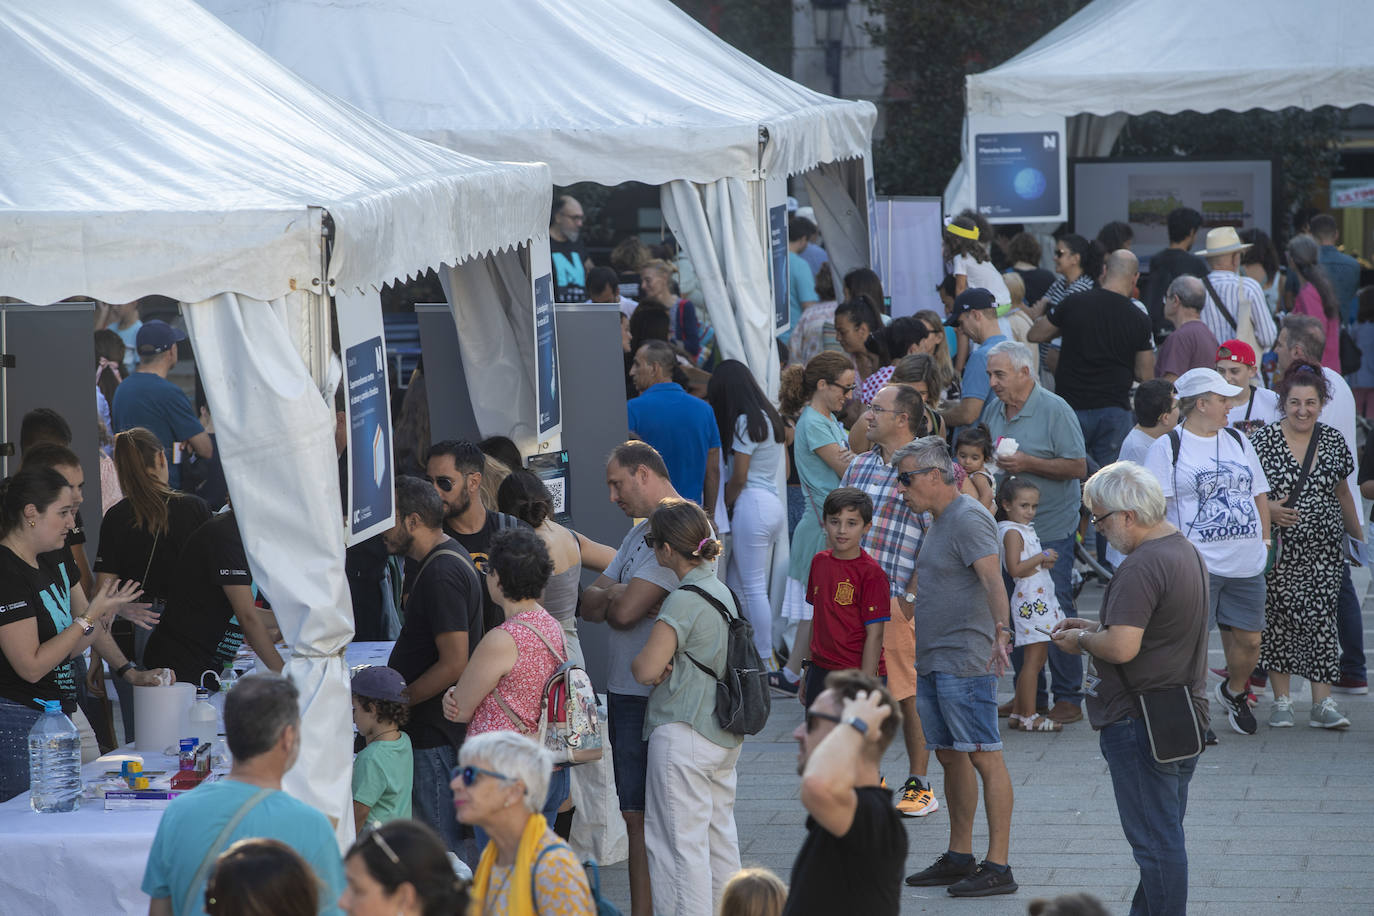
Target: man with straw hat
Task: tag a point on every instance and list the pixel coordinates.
(1235, 307)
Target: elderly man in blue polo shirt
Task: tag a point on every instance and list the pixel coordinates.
(1049, 453)
(681, 427)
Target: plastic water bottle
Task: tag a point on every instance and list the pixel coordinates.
(54, 762)
(203, 719)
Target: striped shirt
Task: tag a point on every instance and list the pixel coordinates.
(1229, 287)
(894, 538)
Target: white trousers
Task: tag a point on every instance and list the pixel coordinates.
(689, 820)
(758, 561)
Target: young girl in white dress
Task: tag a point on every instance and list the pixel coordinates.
(1033, 604)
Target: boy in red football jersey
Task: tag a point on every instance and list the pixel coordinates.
(848, 591)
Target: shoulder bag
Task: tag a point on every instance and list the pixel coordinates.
(1276, 542)
(1244, 329)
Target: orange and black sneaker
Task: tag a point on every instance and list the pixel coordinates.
(917, 800)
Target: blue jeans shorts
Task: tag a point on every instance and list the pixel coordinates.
(1236, 604)
(958, 713)
(629, 751)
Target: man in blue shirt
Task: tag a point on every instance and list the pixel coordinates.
(801, 279)
(1343, 270)
(975, 313)
(262, 727)
(682, 428)
(148, 399)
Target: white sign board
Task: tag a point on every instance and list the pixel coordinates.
(1019, 168)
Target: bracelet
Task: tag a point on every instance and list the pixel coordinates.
(119, 672)
(1082, 648)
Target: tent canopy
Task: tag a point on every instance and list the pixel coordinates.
(603, 90)
(1136, 56)
(149, 149)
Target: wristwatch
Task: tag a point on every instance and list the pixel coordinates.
(1082, 648)
(127, 666)
(909, 597)
(859, 725)
(87, 628)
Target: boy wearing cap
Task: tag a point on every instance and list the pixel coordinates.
(148, 399)
(383, 770)
(1254, 407)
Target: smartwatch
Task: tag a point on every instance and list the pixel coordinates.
(87, 628)
(859, 725)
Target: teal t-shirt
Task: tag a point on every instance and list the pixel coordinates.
(193, 821)
(801, 287)
(382, 776)
(689, 694)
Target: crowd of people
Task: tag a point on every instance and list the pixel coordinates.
(898, 529)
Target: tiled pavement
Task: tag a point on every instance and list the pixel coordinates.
(1282, 822)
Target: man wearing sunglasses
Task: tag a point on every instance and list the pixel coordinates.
(975, 314)
(962, 642)
(628, 597)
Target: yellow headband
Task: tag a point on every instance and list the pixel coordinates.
(962, 232)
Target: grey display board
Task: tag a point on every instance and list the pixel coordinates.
(54, 367)
(451, 416)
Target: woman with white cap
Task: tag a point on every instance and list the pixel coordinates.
(1215, 491)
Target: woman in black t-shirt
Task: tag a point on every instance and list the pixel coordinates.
(141, 539)
(43, 624)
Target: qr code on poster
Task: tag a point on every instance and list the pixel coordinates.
(556, 487)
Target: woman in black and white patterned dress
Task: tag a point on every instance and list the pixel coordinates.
(1302, 587)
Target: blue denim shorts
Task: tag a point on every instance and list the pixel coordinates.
(1236, 604)
(629, 751)
(958, 713)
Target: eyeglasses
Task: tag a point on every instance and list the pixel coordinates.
(375, 835)
(872, 408)
(811, 718)
(906, 477)
(469, 774)
(1099, 519)
(847, 389)
(1059, 253)
(443, 483)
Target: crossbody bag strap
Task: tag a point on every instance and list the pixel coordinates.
(1307, 460)
(189, 904)
(1221, 306)
(724, 613)
(534, 871)
(466, 560)
(496, 693)
(1251, 405)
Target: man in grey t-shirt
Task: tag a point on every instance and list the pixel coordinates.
(627, 596)
(962, 644)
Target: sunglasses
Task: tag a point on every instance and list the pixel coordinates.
(812, 717)
(1059, 253)
(443, 483)
(906, 477)
(469, 774)
(848, 389)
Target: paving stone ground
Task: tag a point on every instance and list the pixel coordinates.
(1281, 822)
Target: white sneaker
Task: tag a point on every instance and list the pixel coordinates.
(1326, 715)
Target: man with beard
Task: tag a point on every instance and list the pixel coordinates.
(443, 621)
(569, 259)
(855, 845)
(455, 467)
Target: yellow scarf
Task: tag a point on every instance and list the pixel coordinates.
(521, 898)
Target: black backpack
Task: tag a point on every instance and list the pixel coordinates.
(742, 698)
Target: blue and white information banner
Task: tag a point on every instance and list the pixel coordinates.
(371, 473)
(775, 202)
(1020, 170)
(547, 400)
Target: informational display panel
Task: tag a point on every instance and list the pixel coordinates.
(1019, 168)
(907, 234)
(549, 401)
(775, 197)
(371, 473)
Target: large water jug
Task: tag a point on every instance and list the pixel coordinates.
(203, 719)
(54, 762)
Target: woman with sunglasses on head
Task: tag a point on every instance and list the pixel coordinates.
(1078, 263)
(689, 818)
(502, 688)
(821, 454)
(401, 869)
(498, 787)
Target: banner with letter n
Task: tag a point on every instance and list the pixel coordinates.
(371, 472)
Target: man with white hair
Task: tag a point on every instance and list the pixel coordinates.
(962, 638)
(1050, 453)
(1235, 303)
(1152, 635)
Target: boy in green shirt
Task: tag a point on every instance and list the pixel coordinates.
(383, 770)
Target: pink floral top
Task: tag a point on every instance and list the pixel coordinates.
(523, 686)
(870, 386)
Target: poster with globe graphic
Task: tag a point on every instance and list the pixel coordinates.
(1019, 173)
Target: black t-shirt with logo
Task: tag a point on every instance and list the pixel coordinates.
(44, 595)
(569, 261)
(443, 597)
(860, 872)
(129, 552)
(478, 545)
(198, 631)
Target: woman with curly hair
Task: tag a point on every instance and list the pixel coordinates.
(383, 771)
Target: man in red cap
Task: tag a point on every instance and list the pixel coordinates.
(1260, 406)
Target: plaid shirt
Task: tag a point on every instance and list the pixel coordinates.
(895, 536)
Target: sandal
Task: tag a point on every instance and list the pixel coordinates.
(1038, 723)
(1014, 721)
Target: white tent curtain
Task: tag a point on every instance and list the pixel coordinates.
(276, 441)
(836, 189)
(492, 300)
(715, 221)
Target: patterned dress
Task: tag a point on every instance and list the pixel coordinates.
(1302, 588)
(1032, 599)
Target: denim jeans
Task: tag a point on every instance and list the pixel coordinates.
(1151, 799)
(1066, 670)
(16, 721)
(430, 797)
(1350, 630)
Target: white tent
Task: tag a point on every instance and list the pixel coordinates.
(605, 91)
(1123, 57)
(150, 150)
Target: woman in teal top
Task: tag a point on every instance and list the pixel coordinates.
(689, 816)
(821, 452)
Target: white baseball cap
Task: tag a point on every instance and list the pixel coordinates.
(1203, 381)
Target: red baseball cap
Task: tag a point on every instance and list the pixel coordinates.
(1238, 351)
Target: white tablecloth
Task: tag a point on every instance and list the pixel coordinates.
(91, 860)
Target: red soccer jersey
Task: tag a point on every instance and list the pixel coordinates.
(847, 596)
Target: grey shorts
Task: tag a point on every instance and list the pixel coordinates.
(1236, 604)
